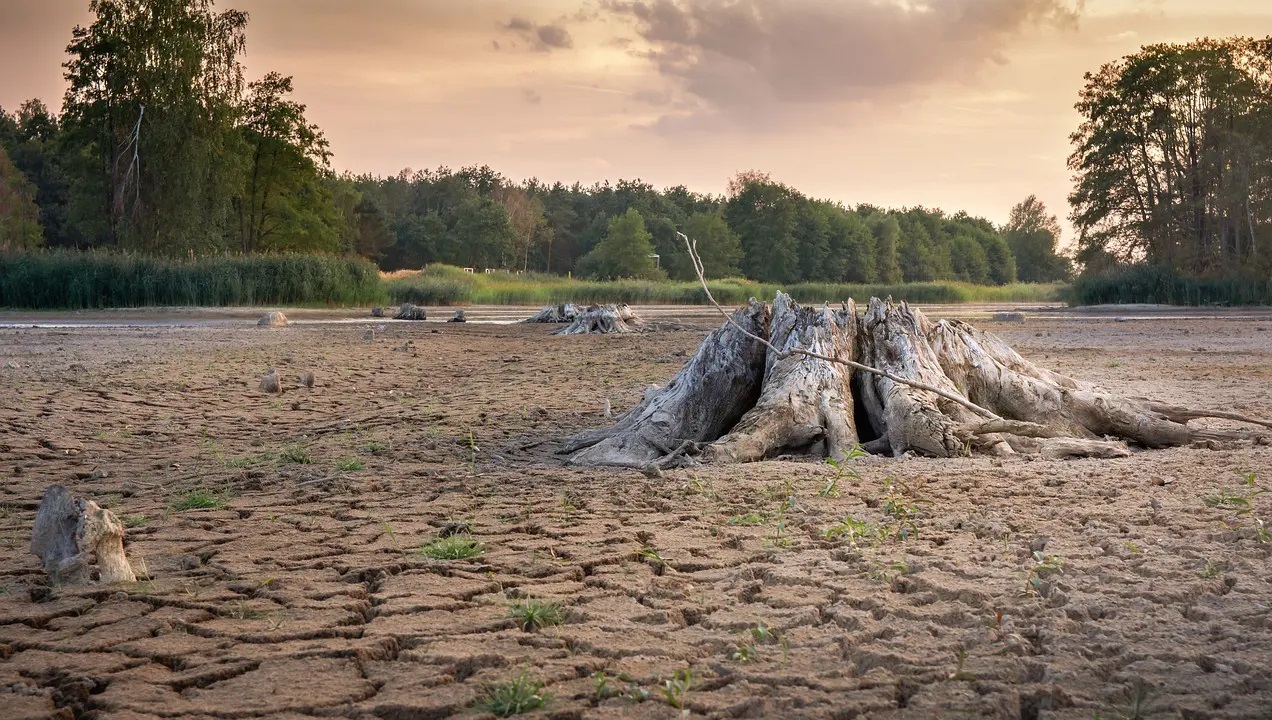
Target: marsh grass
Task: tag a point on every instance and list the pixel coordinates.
(446, 285)
(75, 280)
(200, 499)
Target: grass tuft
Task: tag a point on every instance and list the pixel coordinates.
(453, 547)
(201, 499)
(520, 695)
(537, 614)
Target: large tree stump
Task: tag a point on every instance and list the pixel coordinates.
(408, 311)
(938, 389)
(78, 541)
(602, 320)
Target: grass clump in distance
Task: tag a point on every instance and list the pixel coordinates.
(520, 695)
(200, 499)
(534, 615)
(453, 547)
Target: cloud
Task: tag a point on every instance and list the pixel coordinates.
(751, 61)
(542, 38)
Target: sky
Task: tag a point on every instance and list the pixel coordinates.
(955, 104)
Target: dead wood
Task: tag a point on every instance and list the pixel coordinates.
(564, 313)
(407, 311)
(702, 402)
(78, 541)
(602, 320)
(273, 318)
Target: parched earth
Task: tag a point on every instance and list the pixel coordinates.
(901, 588)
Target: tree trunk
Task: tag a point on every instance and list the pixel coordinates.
(555, 314)
(602, 320)
(939, 389)
(78, 541)
(702, 402)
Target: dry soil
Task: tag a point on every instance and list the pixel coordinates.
(963, 588)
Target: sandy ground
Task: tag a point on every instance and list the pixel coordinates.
(1021, 589)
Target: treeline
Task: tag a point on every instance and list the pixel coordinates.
(1173, 166)
(163, 148)
(762, 229)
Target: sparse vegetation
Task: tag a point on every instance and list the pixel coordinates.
(453, 547)
(534, 615)
(297, 454)
(352, 464)
(676, 690)
(520, 695)
(200, 499)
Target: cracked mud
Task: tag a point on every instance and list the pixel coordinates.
(918, 588)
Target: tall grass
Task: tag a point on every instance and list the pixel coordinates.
(88, 280)
(444, 285)
(1157, 284)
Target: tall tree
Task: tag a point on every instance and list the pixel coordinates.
(1173, 159)
(284, 203)
(1033, 235)
(718, 246)
(624, 252)
(19, 215)
(153, 98)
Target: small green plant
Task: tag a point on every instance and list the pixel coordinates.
(536, 614)
(676, 690)
(520, 695)
(959, 673)
(296, 454)
(374, 447)
(201, 499)
(902, 505)
(1043, 567)
(350, 465)
(747, 519)
(854, 530)
(133, 521)
(600, 685)
(1243, 501)
(472, 453)
(842, 471)
(1212, 569)
(453, 547)
(650, 556)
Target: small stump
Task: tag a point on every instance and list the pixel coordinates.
(407, 311)
(273, 319)
(458, 317)
(78, 541)
(555, 314)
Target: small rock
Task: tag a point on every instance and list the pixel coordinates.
(273, 318)
(369, 335)
(270, 384)
(651, 471)
(12, 365)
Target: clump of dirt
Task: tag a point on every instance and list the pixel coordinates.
(280, 547)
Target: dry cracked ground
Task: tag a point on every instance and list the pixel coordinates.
(901, 588)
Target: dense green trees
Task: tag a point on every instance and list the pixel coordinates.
(1033, 235)
(164, 147)
(1173, 160)
(626, 251)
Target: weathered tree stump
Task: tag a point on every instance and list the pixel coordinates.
(78, 541)
(458, 317)
(564, 313)
(273, 318)
(939, 389)
(407, 311)
(602, 320)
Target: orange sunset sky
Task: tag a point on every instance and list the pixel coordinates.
(957, 104)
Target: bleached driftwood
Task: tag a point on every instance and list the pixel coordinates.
(78, 541)
(601, 320)
(564, 313)
(272, 318)
(407, 311)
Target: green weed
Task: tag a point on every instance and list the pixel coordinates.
(453, 547)
(537, 614)
(521, 695)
